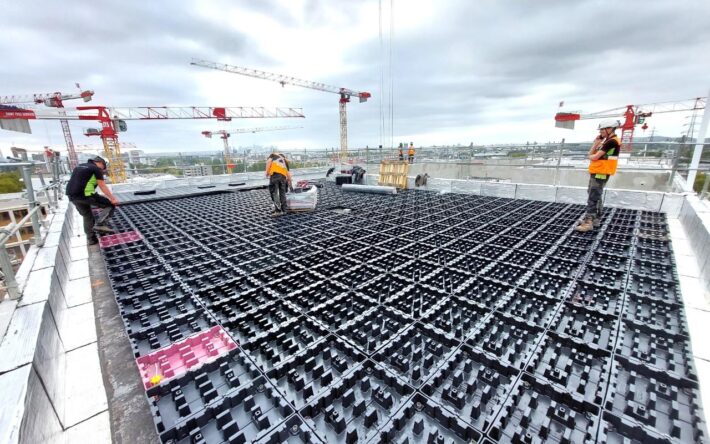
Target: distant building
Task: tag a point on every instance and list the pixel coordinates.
(136, 156)
(197, 170)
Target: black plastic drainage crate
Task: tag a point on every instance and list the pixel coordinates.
(415, 317)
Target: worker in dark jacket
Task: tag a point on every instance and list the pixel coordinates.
(81, 191)
(277, 170)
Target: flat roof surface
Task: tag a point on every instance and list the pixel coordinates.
(421, 315)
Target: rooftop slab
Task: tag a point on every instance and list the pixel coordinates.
(402, 304)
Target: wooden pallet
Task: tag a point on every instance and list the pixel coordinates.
(394, 173)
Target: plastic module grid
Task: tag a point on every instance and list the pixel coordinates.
(354, 408)
(456, 316)
(259, 320)
(595, 297)
(507, 339)
(472, 385)
(529, 307)
(505, 272)
(546, 284)
(168, 331)
(416, 353)
(384, 287)
(415, 300)
(242, 415)
(283, 342)
(306, 375)
(655, 401)
(572, 367)
(176, 399)
(423, 420)
(535, 410)
(374, 328)
(519, 328)
(665, 352)
(484, 291)
(595, 328)
(659, 316)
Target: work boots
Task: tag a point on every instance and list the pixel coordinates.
(586, 225)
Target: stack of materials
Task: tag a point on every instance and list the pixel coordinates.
(302, 199)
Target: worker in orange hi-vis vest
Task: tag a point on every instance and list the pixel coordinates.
(277, 170)
(410, 153)
(603, 156)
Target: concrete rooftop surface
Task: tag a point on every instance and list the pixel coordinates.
(460, 312)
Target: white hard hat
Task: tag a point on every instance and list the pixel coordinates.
(609, 123)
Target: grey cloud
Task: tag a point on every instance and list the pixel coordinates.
(470, 63)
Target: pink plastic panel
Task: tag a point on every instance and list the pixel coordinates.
(176, 359)
(119, 238)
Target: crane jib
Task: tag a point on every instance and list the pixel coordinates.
(16, 113)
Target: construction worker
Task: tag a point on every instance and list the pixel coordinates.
(401, 152)
(277, 170)
(81, 191)
(410, 153)
(603, 156)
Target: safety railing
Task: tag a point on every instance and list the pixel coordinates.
(53, 193)
(656, 156)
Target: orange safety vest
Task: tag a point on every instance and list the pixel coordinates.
(278, 165)
(411, 151)
(608, 164)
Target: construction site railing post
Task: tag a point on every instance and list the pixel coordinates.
(706, 183)
(33, 208)
(11, 286)
(559, 160)
(32, 204)
(55, 179)
(8, 271)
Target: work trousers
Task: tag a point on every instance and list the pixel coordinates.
(411, 158)
(83, 206)
(278, 186)
(594, 199)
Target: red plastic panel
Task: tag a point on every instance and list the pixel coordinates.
(176, 359)
(119, 238)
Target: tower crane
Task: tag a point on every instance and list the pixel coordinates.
(345, 93)
(633, 115)
(224, 135)
(54, 100)
(112, 122)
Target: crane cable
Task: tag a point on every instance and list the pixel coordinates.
(382, 79)
(386, 59)
(390, 74)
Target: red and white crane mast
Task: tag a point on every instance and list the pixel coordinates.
(224, 135)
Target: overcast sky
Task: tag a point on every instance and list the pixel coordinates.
(461, 71)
